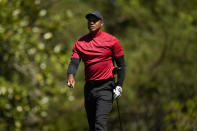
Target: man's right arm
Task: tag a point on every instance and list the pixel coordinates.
(72, 69)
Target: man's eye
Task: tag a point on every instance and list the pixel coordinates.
(93, 21)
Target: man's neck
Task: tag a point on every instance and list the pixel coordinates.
(95, 32)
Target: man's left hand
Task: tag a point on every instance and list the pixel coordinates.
(117, 92)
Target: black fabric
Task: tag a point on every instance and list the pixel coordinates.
(73, 66)
(98, 103)
(121, 70)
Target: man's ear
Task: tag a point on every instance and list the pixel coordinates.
(102, 23)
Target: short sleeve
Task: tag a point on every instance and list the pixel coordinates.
(117, 49)
(75, 53)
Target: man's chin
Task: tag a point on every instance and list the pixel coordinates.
(93, 30)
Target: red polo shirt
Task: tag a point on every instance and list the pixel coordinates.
(97, 53)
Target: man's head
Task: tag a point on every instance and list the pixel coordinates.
(95, 21)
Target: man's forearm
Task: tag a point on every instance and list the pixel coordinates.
(121, 70)
(73, 66)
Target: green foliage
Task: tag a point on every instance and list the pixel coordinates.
(159, 40)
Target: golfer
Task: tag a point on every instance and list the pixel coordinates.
(98, 50)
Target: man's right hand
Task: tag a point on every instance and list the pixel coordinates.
(71, 81)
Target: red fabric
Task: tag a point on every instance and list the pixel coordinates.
(97, 53)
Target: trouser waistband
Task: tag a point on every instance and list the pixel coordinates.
(98, 82)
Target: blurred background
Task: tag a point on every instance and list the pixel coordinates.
(159, 39)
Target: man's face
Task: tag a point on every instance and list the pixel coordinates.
(94, 24)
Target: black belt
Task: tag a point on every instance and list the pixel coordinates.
(98, 82)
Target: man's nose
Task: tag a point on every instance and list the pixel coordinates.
(91, 22)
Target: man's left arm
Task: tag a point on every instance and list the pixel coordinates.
(121, 70)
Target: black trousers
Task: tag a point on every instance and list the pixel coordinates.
(98, 103)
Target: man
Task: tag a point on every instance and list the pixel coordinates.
(98, 50)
